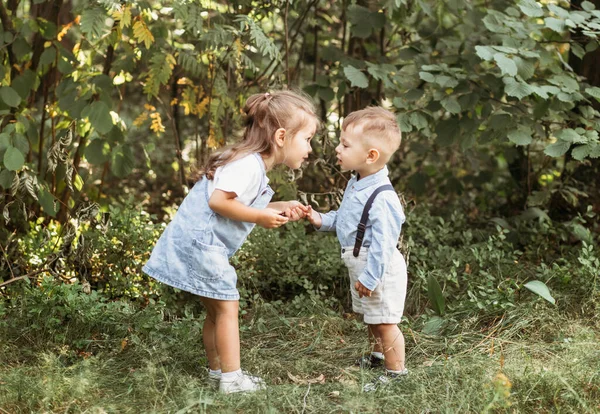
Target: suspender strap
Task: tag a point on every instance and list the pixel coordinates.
(362, 226)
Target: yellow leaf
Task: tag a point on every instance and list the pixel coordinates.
(143, 34)
(202, 107)
(174, 101)
(157, 125)
(64, 31)
(212, 141)
(126, 19)
(171, 60)
(140, 119)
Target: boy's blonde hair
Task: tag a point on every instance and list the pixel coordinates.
(379, 126)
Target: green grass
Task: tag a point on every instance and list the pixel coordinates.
(140, 361)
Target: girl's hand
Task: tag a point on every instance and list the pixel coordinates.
(362, 290)
(270, 218)
(314, 218)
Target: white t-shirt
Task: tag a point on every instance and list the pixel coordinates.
(242, 177)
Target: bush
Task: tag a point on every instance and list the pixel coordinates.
(285, 263)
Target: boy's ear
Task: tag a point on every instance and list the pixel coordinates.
(280, 137)
(373, 155)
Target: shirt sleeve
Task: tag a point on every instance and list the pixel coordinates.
(386, 218)
(241, 177)
(328, 221)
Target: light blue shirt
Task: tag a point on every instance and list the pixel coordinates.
(383, 227)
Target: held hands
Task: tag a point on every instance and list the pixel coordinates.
(295, 210)
(362, 290)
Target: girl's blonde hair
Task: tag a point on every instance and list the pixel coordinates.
(265, 114)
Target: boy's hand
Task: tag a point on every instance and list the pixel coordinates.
(295, 210)
(314, 217)
(362, 290)
(270, 218)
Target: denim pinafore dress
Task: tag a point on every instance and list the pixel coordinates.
(193, 252)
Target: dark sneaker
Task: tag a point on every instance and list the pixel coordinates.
(369, 362)
(384, 380)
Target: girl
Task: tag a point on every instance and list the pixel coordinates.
(218, 214)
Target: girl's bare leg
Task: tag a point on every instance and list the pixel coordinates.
(209, 338)
(226, 334)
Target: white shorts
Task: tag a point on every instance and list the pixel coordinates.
(386, 303)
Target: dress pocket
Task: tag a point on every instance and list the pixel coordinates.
(208, 262)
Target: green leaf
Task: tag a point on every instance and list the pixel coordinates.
(520, 136)
(48, 56)
(433, 326)
(48, 202)
(122, 160)
(13, 159)
(588, 6)
(485, 52)
(517, 89)
(525, 68)
(436, 296)
(78, 182)
(6, 178)
(594, 92)
(568, 135)
(418, 183)
(581, 152)
(531, 8)
(557, 149)
(93, 22)
(427, 77)
(540, 289)
(24, 83)
(100, 118)
(97, 152)
(447, 131)
(418, 120)
(451, 105)
(356, 77)
(506, 64)
(555, 24)
(10, 96)
(404, 122)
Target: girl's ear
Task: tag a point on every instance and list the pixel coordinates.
(280, 137)
(372, 156)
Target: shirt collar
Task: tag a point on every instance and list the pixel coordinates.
(371, 179)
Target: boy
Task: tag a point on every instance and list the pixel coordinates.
(376, 268)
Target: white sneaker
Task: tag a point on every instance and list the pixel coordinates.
(242, 383)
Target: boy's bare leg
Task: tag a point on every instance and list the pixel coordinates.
(208, 337)
(393, 345)
(226, 333)
(374, 340)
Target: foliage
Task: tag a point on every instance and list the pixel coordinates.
(485, 88)
(281, 265)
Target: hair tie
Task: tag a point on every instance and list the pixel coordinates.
(267, 94)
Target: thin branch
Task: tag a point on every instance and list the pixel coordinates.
(27, 276)
(269, 70)
(287, 51)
